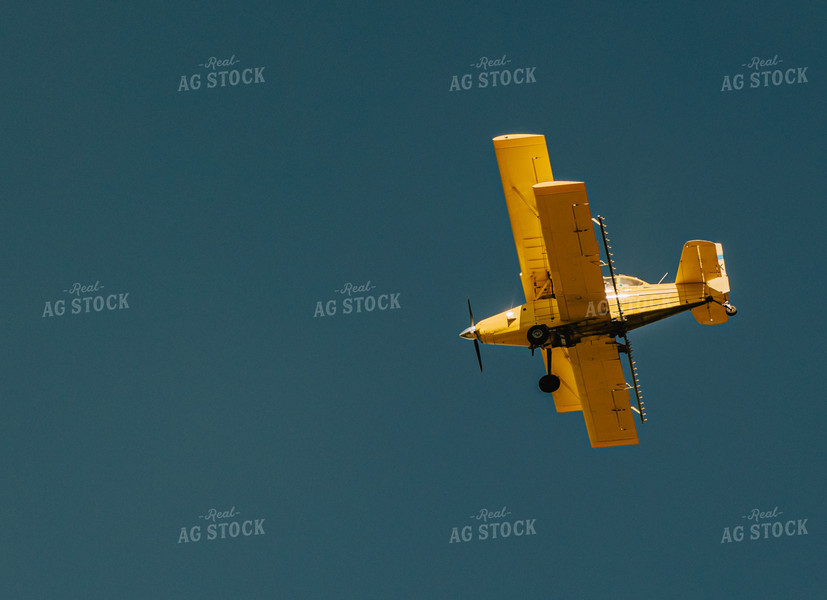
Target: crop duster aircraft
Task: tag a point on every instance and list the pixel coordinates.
(577, 317)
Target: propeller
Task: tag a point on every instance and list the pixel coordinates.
(471, 334)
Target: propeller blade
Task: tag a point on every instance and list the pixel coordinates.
(476, 337)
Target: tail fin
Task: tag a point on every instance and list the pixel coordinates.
(702, 274)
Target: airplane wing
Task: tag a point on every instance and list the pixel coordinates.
(560, 258)
(523, 161)
(592, 380)
(553, 231)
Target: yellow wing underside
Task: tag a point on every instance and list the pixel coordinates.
(552, 226)
(592, 380)
(560, 260)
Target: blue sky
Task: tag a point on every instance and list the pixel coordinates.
(220, 216)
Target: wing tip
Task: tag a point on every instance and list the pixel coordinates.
(511, 140)
(622, 442)
(547, 188)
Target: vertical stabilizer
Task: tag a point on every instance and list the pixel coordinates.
(701, 275)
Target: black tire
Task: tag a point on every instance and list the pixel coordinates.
(537, 335)
(549, 383)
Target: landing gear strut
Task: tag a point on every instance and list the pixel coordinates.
(548, 383)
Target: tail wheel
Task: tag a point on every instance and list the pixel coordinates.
(537, 335)
(549, 383)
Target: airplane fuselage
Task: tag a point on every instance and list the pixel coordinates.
(633, 306)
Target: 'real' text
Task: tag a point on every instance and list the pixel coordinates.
(763, 73)
(357, 298)
(221, 73)
(221, 525)
(489, 525)
(492, 72)
(85, 298)
(764, 525)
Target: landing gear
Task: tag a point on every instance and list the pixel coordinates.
(537, 335)
(549, 383)
(730, 310)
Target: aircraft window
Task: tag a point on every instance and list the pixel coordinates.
(623, 281)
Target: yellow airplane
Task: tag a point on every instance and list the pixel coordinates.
(578, 318)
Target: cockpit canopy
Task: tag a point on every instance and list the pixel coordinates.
(623, 281)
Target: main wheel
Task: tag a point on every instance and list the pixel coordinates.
(537, 335)
(549, 383)
(730, 310)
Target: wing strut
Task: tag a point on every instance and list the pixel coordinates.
(626, 347)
